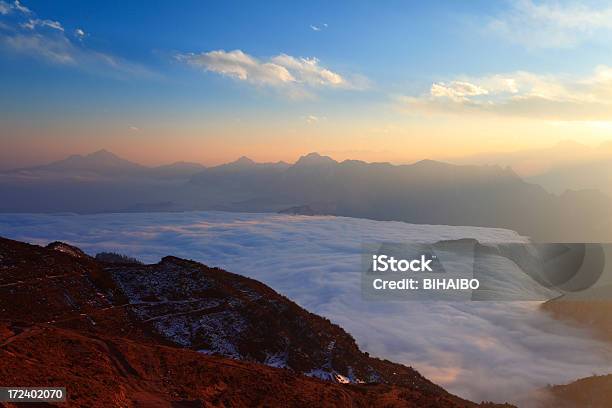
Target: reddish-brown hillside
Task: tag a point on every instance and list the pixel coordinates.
(125, 334)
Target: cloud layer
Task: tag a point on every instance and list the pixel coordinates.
(480, 350)
(296, 76)
(522, 94)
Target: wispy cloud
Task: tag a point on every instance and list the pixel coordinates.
(309, 71)
(551, 24)
(313, 119)
(525, 94)
(321, 27)
(5, 8)
(239, 65)
(16, 6)
(23, 32)
(21, 8)
(456, 90)
(57, 50)
(295, 76)
(33, 23)
(80, 34)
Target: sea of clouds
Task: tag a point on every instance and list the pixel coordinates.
(479, 350)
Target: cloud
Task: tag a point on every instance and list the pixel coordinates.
(551, 24)
(32, 24)
(21, 8)
(520, 94)
(296, 76)
(57, 50)
(308, 70)
(457, 90)
(312, 119)
(79, 33)
(480, 350)
(238, 65)
(134, 128)
(5, 8)
(22, 32)
(314, 27)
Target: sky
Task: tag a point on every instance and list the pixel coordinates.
(379, 81)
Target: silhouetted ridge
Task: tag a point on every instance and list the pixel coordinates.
(426, 192)
(314, 159)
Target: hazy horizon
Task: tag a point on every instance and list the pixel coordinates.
(601, 150)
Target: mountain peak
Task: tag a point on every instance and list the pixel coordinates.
(429, 163)
(243, 161)
(98, 161)
(102, 153)
(314, 159)
(104, 157)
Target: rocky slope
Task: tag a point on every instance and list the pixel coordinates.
(593, 392)
(590, 313)
(126, 334)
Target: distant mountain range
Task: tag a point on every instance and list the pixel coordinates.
(594, 174)
(567, 165)
(103, 163)
(426, 192)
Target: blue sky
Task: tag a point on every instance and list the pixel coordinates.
(408, 70)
